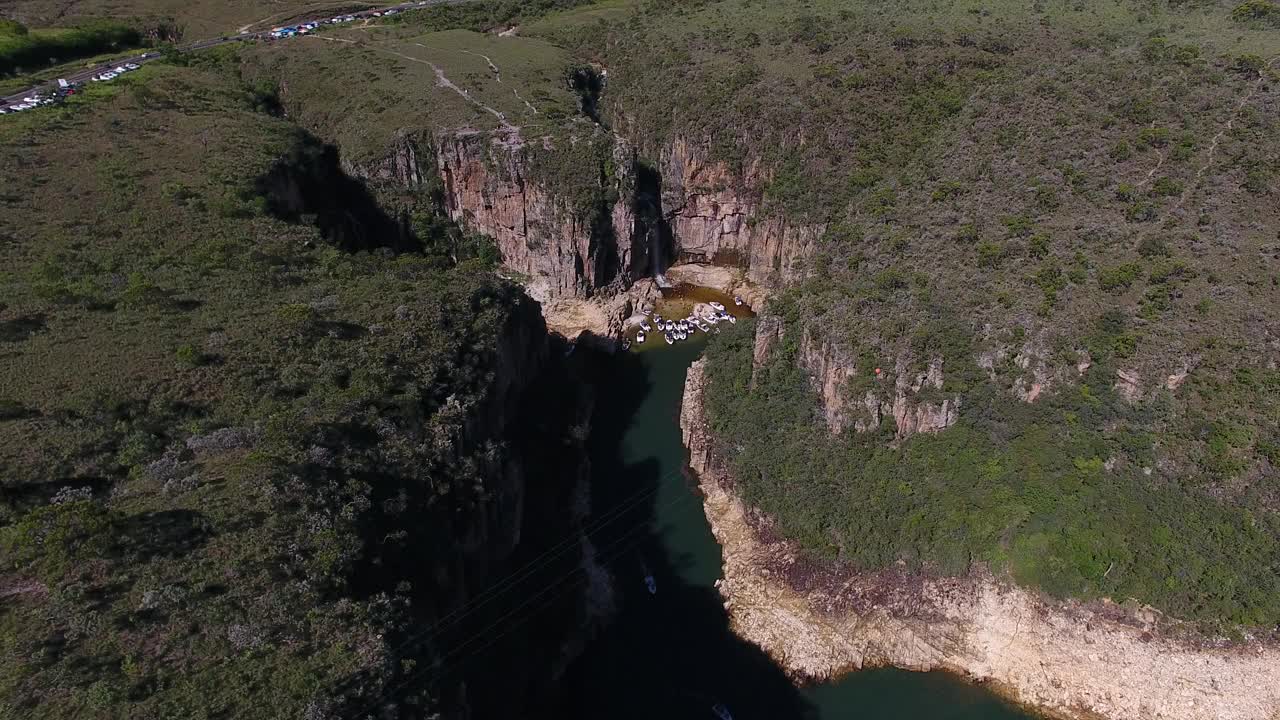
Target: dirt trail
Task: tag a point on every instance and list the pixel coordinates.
(443, 81)
(1226, 128)
(497, 72)
(526, 102)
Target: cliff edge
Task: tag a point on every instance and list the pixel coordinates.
(1071, 659)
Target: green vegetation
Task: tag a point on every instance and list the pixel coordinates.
(1026, 195)
(1056, 493)
(238, 431)
(25, 50)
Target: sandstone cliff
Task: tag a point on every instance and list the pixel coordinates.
(688, 209)
(914, 399)
(486, 185)
(487, 188)
(1069, 659)
(714, 214)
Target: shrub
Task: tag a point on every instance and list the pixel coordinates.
(967, 234)
(1154, 137)
(189, 355)
(1152, 246)
(1166, 187)
(1249, 64)
(990, 255)
(1256, 10)
(1126, 192)
(1141, 211)
(1118, 278)
(1038, 245)
(1019, 225)
(1171, 271)
(1257, 180)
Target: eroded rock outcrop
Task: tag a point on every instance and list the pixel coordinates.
(715, 215)
(1071, 659)
(913, 399)
(487, 188)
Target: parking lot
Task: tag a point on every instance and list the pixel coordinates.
(54, 92)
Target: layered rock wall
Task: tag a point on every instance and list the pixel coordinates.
(714, 214)
(1069, 659)
(913, 399)
(488, 189)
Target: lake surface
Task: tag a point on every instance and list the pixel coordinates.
(670, 654)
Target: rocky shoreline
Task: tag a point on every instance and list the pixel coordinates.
(1075, 660)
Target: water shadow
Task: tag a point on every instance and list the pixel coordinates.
(669, 653)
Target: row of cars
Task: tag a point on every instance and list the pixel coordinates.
(303, 29)
(64, 88)
(34, 100)
(115, 72)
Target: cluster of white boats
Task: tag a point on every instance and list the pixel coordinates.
(674, 331)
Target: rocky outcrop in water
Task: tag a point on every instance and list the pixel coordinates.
(1077, 660)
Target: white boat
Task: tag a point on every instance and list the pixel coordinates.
(640, 337)
(649, 581)
(713, 319)
(626, 344)
(733, 320)
(669, 340)
(645, 326)
(716, 305)
(737, 300)
(657, 319)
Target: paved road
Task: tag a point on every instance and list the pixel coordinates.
(83, 76)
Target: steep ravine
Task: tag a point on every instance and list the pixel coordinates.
(683, 208)
(1067, 659)
(458, 541)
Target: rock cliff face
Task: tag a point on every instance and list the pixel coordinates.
(487, 188)
(714, 216)
(1069, 659)
(914, 399)
(532, 500)
(703, 212)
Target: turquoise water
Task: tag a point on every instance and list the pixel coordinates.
(671, 654)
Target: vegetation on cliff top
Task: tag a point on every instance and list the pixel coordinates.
(1016, 190)
(1051, 492)
(222, 435)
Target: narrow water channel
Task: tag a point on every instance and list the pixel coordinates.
(670, 653)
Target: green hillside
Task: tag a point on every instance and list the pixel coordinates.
(1038, 186)
(228, 412)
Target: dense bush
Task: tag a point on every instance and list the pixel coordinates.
(23, 50)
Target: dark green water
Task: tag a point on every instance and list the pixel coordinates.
(671, 654)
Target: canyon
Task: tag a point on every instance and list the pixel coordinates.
(1068, 659)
